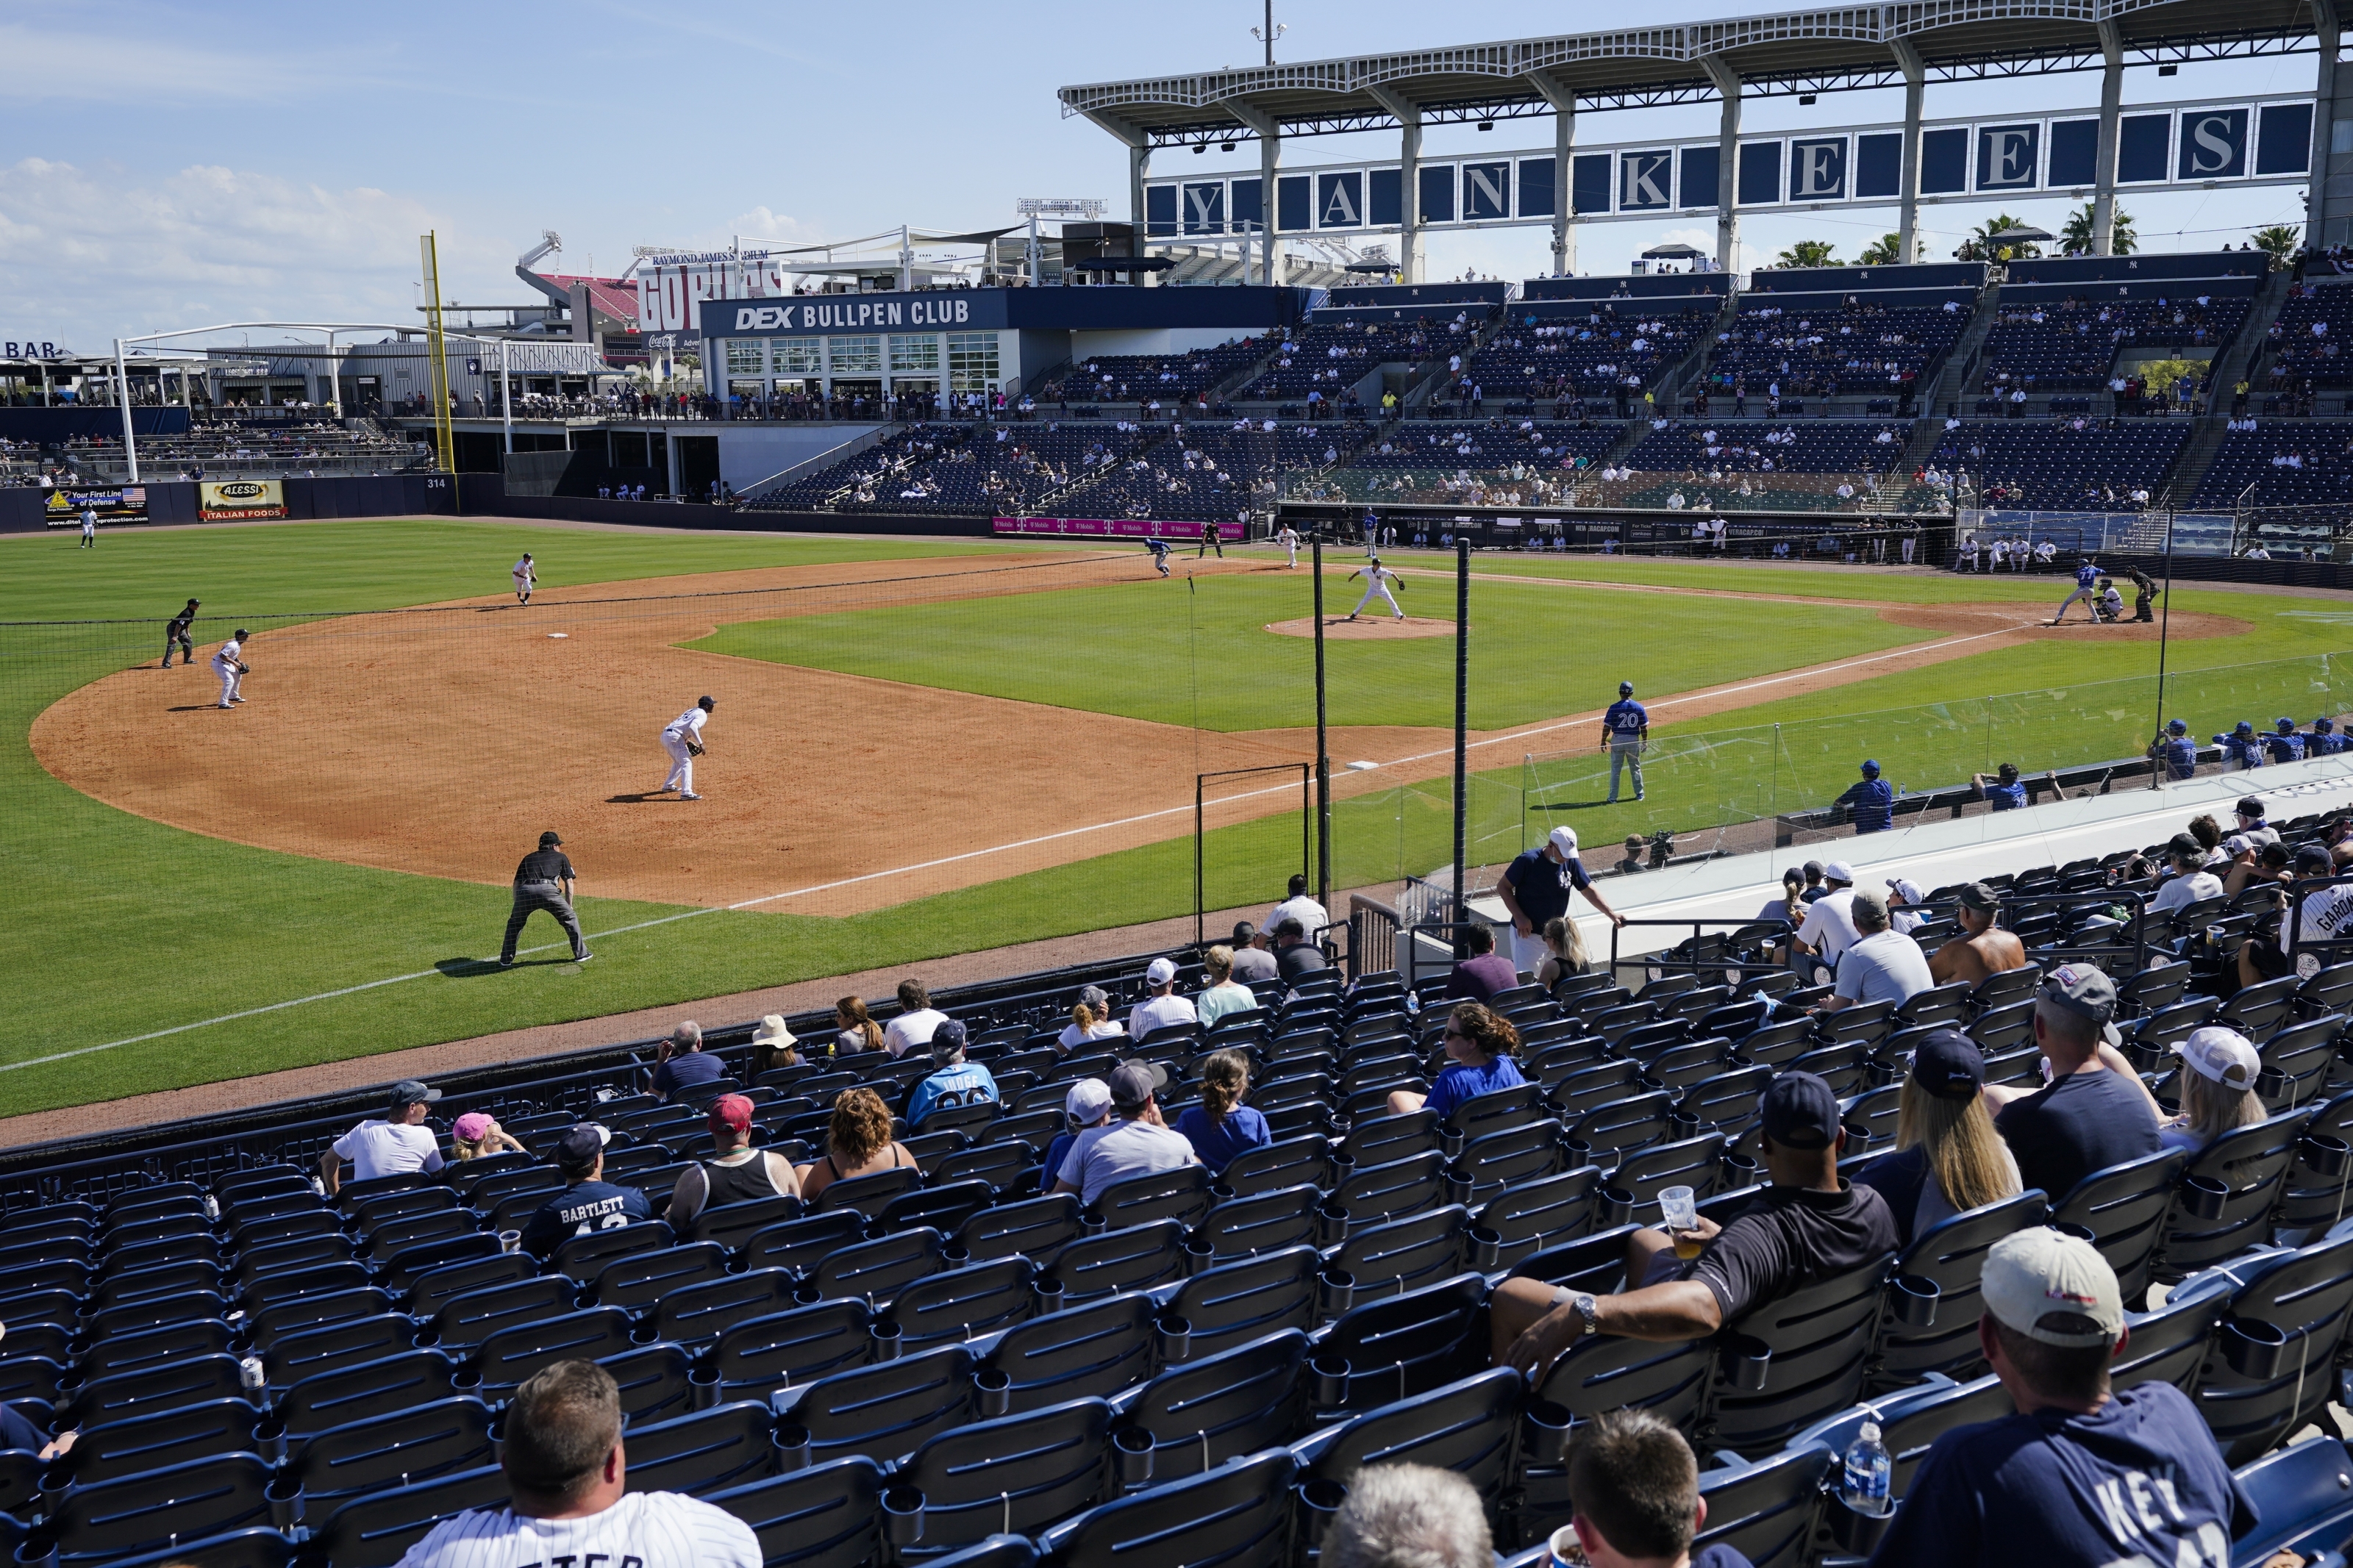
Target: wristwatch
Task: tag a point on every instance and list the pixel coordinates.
(1590, 1311)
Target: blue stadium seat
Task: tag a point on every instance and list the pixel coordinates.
(2125, 1208)
(711, 1451)
(823, 1516)
(962, 1303)
(1820, 1337)
(419, 1443)
(1471, 1427)
(1405, 1345)
(1130, 1260)
(1017, 1473)
(1766, 1511)
(2285, 1327)
(1235, 1303)
(375, 1531)
(758, 1354)
(2304, 1496)
(696, 1314)
(1238, 1516)
(158, 1507)
(511, 1354)
(1948, 1255)
(1096, 1349)
(886, 1410)
(2248, 1167)
(1404, 1253)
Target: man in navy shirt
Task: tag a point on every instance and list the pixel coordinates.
(590, 1202)
(1870, 801)
(2283, 744)
(1625, 732)
(2095, 1112)
(2175, 752)
(683, 1063)
(1536, 887)
(2080, 1477)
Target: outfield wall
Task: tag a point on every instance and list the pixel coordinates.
(25, 510)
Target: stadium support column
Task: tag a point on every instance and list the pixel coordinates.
(1409, 118)
(1564, 137)
(2329, 207)
(122, 400)
(1727, 164)
(1915, 86)
(1269, 162)
(2112, 94)
(1139, 161)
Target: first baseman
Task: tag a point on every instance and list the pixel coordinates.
(176, 630)
(230, 667)
(525, 575)
(1377, 579)
(682, 738)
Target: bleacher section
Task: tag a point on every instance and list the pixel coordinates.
(1877, 343)
(1145, 378)
(1800, 465)
(1003, 468)
(896, 457)
(1205, 473)
(2310, 347)
(2294, 478)
(2093, 465)
(1330, 357)
(2066, 337)
(1419, 298)
(232, 450)
(1533, 460)
(1186, 1371)
(1586, 348)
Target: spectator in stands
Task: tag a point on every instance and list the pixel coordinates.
(588, 1201)
(736, 1171)
(2218, 1088)
(1817, 887)
(18, 1430)
(1221, 995)
(1904, 900)
(1948, 1159)
(1870, 801)
(772, 1044)
(2050, 1483)
(1294, 955)
(1139, 1143)
(2208, 834)
(1790, 907)
(1564, 952)
(2265, 865)
(2094, 1112)
(1829, 929)
(953, 1081)
(1087, 1105)
(1483, 972)
(1636, 1487)
(2253, 821)
(1631, 863)
(916, 1020)
(681, 1064)
(568, 1491)
(858, 1143)
(478, 1133)
(1880, 964)
(1163, 1008)
(1254, 960)
(857, 1029)
(1310, 915)
(1409, 1516)
(1222, 1126)
(2174, 751)
(1983, 949)
(2324, 918)
(1809, 1224)
(394, 1144)
(1091, 1019)
(1480, 1046)
(1535, 887)
(2190, 880)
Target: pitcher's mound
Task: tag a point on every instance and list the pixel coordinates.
(1372, 628)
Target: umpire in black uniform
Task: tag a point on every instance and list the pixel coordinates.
(176, 630)
(544, 881)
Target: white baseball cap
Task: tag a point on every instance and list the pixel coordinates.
(1159, 972)
(1904, 889)
(2220, 1056)
(2033, 1273)
(1837, 871)
(1088, 1100)
(1564, 838)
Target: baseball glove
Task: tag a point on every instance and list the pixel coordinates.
(695, 748)
(245, 670)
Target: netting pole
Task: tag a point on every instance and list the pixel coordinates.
(2164, 625)
(1200, 887)
(1461, 705)
(1323, 751)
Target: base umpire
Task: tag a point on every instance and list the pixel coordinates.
(544, 881)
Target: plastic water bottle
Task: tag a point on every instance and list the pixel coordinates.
(1863, 1484)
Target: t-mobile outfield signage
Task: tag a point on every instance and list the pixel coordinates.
(1113, 527)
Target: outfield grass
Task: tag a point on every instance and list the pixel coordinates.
(121, 926)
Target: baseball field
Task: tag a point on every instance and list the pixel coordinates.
(917, 749)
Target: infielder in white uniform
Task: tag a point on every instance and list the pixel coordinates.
(1289, 540)
(230, 667)
(1377, 579)
(682, 738)
(525, 576)
(567, 1480)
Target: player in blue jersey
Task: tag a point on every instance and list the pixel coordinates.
(2175, 753)
(2283, 744)
(2323, 741)
(1870, 801)
(2087, 588)
(2241, 746)
(1625, 734)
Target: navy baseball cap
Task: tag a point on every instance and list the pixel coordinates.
(2315, 858)
(2323, 726)
(2287, 726)
(1870, 769)
(1799, 1112)
(949, 1038)
(2250, 805)
(2176, 727)
(1625, 688)
(1949, 1065)
(582, 1147)
(2242, 728)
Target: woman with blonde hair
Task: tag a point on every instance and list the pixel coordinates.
(478, 1133)
(1222, 1126)
(1949, 1158)
(859, 1032)
(1091, 1019)
(1480, 1045)
(1220, 994)
(1564, 952)
(857, 1143)
(2219, 1068)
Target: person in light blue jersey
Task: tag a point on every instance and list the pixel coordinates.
(1625, 735)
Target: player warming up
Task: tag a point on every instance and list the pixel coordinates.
(526, 577)
(89, 529)
(1159, 548)
(682, 738)
(1625, 732)
(2087, 588)
(229, 665)
(1289, 540)
(1377, 579)
(176, 630)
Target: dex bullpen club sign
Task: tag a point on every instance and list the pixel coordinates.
(229, 500)
(855, 313)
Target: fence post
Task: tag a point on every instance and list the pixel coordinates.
(1461, 701)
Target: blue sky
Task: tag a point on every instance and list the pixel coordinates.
(170, 164)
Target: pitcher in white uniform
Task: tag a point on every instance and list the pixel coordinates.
(676, 736)
(230, 667)
(525, 576)
(1289, 540)
(1377, 579)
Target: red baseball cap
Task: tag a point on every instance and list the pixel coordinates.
(731, 1113)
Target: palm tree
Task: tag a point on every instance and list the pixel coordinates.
(2075, 238)
(1808, 253)
(1885, 251)
(1979, 248)
(2281, 241)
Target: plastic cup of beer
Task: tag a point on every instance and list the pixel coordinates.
(1679, 1208)
(1567, 1551)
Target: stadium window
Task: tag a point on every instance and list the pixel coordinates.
(745, 356)
(799, 356)
(854, 357)
(919, 351)
(972, 360)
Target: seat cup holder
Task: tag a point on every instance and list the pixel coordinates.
(1545, 1439)
(283, 1495)
(1329, 1376)
(702, 1386)
(1459, 1188)
(1743, 1361)
(2326, 1155)
(1131, 1452)
(1856, 1532)
(992, 1391)
(792, 1447)
(1579, 1151)
(2080, 1232)
(1336, 1291)
(902, 1515)
(1048, 1291)
(1331, 1226)
(1176, 1336)
(884, 1339)
(1318, 1502)
(1914, 1301)
(1859, 1138)
(1487, 1249)
(2145, 1057)
(1682, 1124)
(1451, 1141)
(1612, 1206)
(2272, 1084)
(1199, 1253)
(2203, 1198)
(2254, 1348)
(954, 1255)
(1740, 1170)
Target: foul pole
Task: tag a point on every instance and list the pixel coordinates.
(437, 374)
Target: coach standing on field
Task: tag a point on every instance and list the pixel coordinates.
(1625, 732)
(544, 881)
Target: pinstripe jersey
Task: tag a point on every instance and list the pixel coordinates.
(644, 1529)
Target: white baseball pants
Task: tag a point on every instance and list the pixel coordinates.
(229, 680)
(2087, 595)
(1378, 591)
(682, 771)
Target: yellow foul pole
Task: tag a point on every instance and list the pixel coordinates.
(437, 376)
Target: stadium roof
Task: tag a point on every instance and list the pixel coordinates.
(1826, 50)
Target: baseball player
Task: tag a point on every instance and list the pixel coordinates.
(1210, 539)
(1870, 801)
(1372, 526)
(1625, 734)
(2087, 588)
(2241, 746)
(682, 738)
(2283, 744)
(229, 665)
(1377, 579)
(1159, 548)
(176, 630)
(2175, 753)
(2325, 742)
(525, 576)
(1289, 540)
(89, 529)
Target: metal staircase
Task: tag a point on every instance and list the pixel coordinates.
(1952, 383)
(2236, 360)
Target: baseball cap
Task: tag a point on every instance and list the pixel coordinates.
(1563, 839)
(1625, 688)
(472, 1127)
(2220, 1056)
(548, 840)
(1978, 896)
(2032, 1274)
(1088, 1100)
(706, 701)
(1159, 972)
(1813, 871)
(2252, 805)
(1870, 768)
(2242, 728)
(582, 1146)
(1905, 888)
(731, 1113)
(2185, 845)
(1949, 1065)
(1837, 871)
(2238, 843)
(2286, 726)
(949, 1038)
(2176, 727)
(1244, 933)
(2324, 724)
(408, 1091)
(2316, 857)
(2086, 991)
(1134, 1080)
(1799, 1112)
(1867, 902)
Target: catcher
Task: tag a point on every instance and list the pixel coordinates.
(231, 667)
(682, 738)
